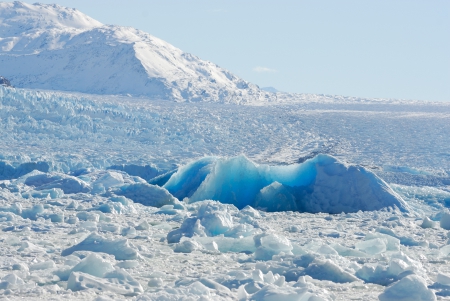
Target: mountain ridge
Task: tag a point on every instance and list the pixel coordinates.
(48, 46)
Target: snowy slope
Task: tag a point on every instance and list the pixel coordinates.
(53, 47)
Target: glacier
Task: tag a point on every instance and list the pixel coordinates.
(220, 201)
(161, 176)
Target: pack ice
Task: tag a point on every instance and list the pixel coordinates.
(105, 233)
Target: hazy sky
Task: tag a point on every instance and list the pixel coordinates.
(379, 48)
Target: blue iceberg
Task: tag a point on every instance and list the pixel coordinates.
(320, 184)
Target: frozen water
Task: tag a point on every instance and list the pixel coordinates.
(308, 186)
(269, 245)
(96, 243)
(445, 220)
(94, 265)
(117, 281)
(81, 174)
(147, 194)
(327, 270)
(409, 286)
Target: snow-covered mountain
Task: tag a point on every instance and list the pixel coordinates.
(53, 47)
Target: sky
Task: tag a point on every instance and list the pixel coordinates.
(376, 49)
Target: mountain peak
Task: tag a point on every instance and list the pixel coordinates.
(19, 17)
(47, 46)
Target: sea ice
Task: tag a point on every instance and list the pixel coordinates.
(372, 246)
(96, 243)
(271, 244)
(445, 220)
(147, 194)
(94, 265)
(117, 281)
(411, 287)
(327, 270)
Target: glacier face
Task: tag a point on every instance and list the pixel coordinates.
(53, 47)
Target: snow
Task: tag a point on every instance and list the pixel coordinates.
(52, 47)
(307, 197)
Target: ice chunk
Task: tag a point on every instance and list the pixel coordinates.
(345, 251)
(310, 186)
(142, 226)
(190, 227)
(385, 275)
(214, 285)
(427, 223)
(397, 266)
(57, 217)
(228, 244)
(155, 282)
(198, 288)
(327, 270)
(443, 279)
(10, 172)
(109, 179)
(392, 243)
(109, 227)
(445, 250)
(128, 231)
(147, 194)
(11, 280)
(372, 246)
(212, 219)
(167, 209)
(411, 287)
(445, 220)
(271, 244)
(66, 183)
(88, 216)
(215, 218)
(50, 264)
(187, 246)
(327, 250)
(20, 267)
(33, 212)
(250, 211)
(96, 243)
(117, 281)
(94, 265)
(146, 172)
(128, 264)
(273, 292)
(53, 193)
